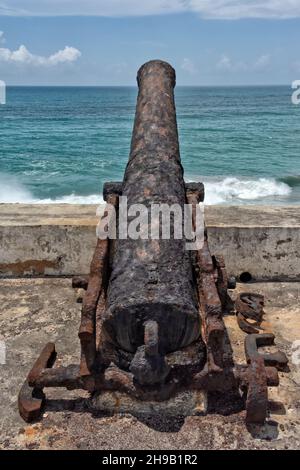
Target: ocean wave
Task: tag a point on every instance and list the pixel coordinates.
(234, 190)
(230, 190)
(72, 199)
(12, 191)
(292, 181)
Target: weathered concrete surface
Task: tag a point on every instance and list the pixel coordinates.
(33, 312)
(261, 240)
(189, 403)
(43, 240)
(59, 239)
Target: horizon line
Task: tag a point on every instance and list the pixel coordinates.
(135, 86)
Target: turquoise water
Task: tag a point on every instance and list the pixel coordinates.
(62, 143)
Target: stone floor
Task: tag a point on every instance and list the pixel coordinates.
(33, 312)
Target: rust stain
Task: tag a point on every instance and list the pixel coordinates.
(36, 267)
(117, 402)
(30, 432)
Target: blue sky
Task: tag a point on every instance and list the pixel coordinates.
(218, 42)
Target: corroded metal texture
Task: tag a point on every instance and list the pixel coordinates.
(250, 306)
(30, 402)
(258, 373)
(152, 279)
(115, 379)
(253, 342)
(31, 398)
(148, 366)
(46, 359)
(257, 395)
(246, 326)
(223, 283)
(209, 300)
(98, 279)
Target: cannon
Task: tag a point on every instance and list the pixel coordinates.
(148, 299)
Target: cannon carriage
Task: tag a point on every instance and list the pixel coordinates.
(146, 299)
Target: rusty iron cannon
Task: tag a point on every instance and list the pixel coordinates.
(147, 299)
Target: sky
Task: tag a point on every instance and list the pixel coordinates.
(104, 42)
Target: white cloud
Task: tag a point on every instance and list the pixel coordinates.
(68, 54)
(224, 63)
(235, 9)
(212, 9)
(263, 61)
(188, 66)
(24, 56)
(2, 38)
(90, 7)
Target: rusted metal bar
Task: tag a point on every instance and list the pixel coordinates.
(210, 306)
(257, 390)
(114, 379)
(251, 306)
(98, 279)
(31, 398)
(87, 331)
(45, 359)
(30, 402)
(149, 366)
(257, 395)
(249, 328)
(222, 284)
(253, 342)
(243, 375)
(67, 377)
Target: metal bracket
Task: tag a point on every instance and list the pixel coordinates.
(257, 394)
(253, 342)
(31, 399)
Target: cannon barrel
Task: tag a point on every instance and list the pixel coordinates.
(153, 279)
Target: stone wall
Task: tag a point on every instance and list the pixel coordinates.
(59, 239)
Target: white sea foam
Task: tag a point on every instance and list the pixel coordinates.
(72, 199)
(228, 190)
(12, 191)
(234, 190)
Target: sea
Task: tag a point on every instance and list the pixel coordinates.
(61, 144)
